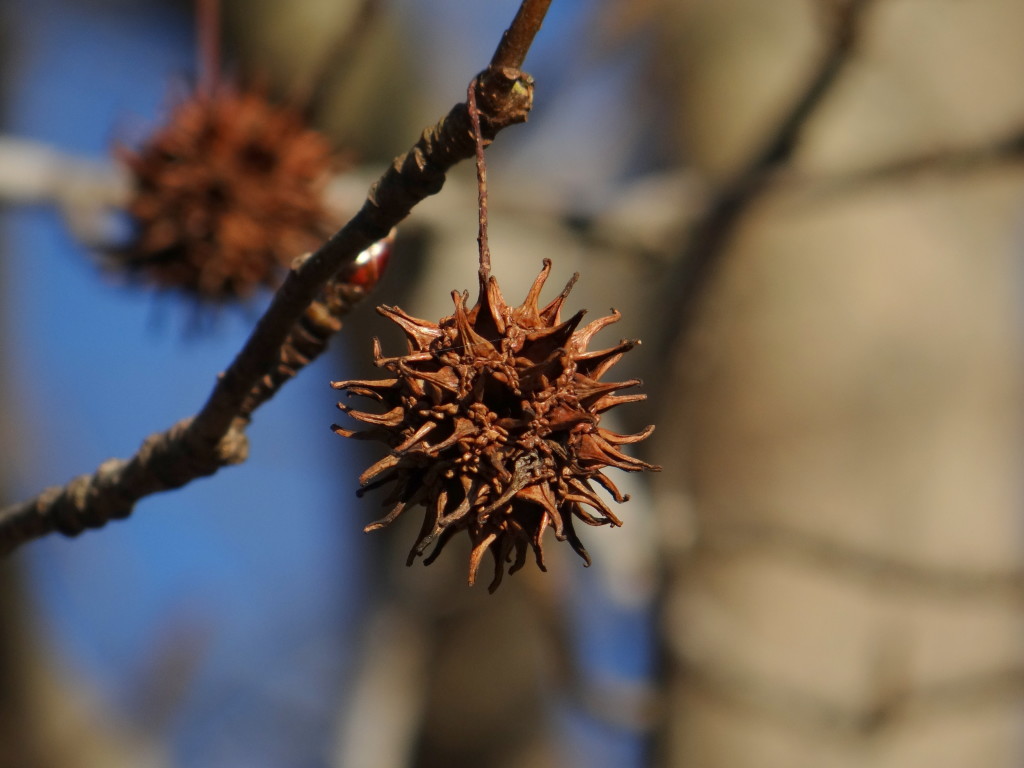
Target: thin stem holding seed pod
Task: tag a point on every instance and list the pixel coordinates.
(208, 35)
(481, 178)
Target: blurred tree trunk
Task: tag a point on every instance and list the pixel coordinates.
(19, 738)
(17, 744)
(842, 500)
(46, 720)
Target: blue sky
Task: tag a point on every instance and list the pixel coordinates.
(256, 569)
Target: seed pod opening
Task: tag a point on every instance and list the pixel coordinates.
(492, 422)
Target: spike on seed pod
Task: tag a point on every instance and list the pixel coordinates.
(226, 194)
(492, 422)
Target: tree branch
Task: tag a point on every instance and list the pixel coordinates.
(517, 39)
(709, 236)
(215, 436)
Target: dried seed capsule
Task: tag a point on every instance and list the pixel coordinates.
(492, 421)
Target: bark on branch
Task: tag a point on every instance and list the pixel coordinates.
(215, 436)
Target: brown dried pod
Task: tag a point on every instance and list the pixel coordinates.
(226, 194)
(492, 420)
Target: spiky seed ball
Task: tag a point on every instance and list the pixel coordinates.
(492, 420)
(226, 194)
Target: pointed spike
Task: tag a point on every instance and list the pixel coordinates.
(537, 542)
(487, 315)
(402, 362)
(366, 392)
(419, 332)
(342, 431)
(574, 541)
(502, 550)
(477, 555)
(610, 401)
(586, 495)
(539, 377)
(463, 428)
(381, 384)
(552, 312)
(614, 438)
(563, 419)
(460, 511)
(542, 343)
(520, 561)
(589, 391)
(610, 487)
(371, 472)
(557, 335)
(507, 544)
(373, 391)
(389, 518)
(429, 530)
(390, 477)
(445, 378)
(415, 437)
(596, 364)
(380, 434)
(593, 449)
(468, 337)
(531, 303)
(442, 538)
(582, 338)
(538, 554)
(541, 495)
(391, 418)
(580, 512)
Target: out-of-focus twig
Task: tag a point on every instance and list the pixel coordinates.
(85, 190)
(709, 236)
(722, 537)
(32, 172)
(215, 436)
(208, 18)
(341, 58)
(996, 152)
(642, 217)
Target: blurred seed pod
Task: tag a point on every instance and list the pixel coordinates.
(225, 195)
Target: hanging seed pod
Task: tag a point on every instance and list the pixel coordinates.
(492, 420)
(226, 194)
